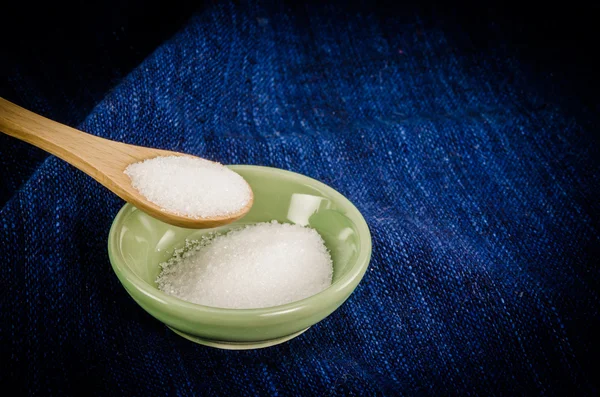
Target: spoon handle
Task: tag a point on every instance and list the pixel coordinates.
(69, 144)
(91, 154)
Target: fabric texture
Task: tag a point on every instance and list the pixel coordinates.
(480, 191)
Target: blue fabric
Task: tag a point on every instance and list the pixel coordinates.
(481, 193)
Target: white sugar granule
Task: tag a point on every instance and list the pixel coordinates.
(190, 186)
(262, 265)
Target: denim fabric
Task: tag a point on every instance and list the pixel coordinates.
(481, 194)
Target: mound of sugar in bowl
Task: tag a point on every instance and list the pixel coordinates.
(262, 265)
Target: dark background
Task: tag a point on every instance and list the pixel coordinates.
(74, 61)
(60, 60)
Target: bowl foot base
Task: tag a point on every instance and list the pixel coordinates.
(237, 345)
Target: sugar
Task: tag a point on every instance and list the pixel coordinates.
(190, 186)
(262, 265)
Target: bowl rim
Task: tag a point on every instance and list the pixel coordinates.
(341, 288)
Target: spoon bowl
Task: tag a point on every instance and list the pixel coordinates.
(102, 159)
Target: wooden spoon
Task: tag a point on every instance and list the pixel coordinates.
(102, 159)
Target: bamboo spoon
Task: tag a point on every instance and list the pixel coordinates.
(102, 159)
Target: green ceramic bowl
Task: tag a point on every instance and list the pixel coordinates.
(137, 243)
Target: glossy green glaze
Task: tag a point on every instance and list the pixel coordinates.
(137, 243)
